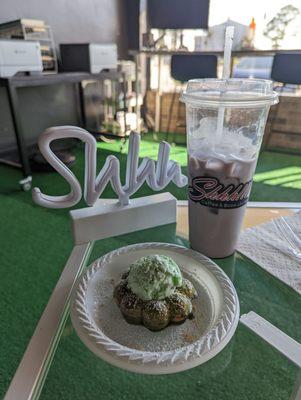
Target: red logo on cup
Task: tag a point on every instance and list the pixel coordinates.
(210, 192)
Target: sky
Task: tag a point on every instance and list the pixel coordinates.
(263, 11)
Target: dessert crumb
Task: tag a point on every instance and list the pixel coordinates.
(188, 337)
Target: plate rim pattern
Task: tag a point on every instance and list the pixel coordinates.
(199, 348)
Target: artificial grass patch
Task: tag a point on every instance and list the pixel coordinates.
(277, 177)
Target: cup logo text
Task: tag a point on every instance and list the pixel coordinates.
(210, 192)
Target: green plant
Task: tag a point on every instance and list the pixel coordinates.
(275, 29)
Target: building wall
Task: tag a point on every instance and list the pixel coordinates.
(77, 21)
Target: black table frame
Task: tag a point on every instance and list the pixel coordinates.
(13, 83)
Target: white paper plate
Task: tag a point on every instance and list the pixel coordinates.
(100, 325)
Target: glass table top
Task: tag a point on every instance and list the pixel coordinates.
(247, 368)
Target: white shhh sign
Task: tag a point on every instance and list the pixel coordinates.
(157, 174)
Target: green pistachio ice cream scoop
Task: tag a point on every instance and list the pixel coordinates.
(154, 277)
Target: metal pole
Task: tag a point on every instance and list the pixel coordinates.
(14, 108)
(158, 96)
(137, 90)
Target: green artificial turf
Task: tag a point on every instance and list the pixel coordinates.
(277, 177)
(35, 243)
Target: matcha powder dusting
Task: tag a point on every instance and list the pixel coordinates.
(154, 277)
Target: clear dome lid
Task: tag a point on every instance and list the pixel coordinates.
(229, 92)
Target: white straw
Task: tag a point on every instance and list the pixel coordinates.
(227, 51)
(226, 75)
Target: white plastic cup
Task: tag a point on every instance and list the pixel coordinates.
(225, 125)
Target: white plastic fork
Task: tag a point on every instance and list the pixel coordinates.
(289, 236)
(293, 234)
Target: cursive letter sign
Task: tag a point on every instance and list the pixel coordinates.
(157, 175)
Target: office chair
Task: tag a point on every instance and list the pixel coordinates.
(286, 69)
(186, 67)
